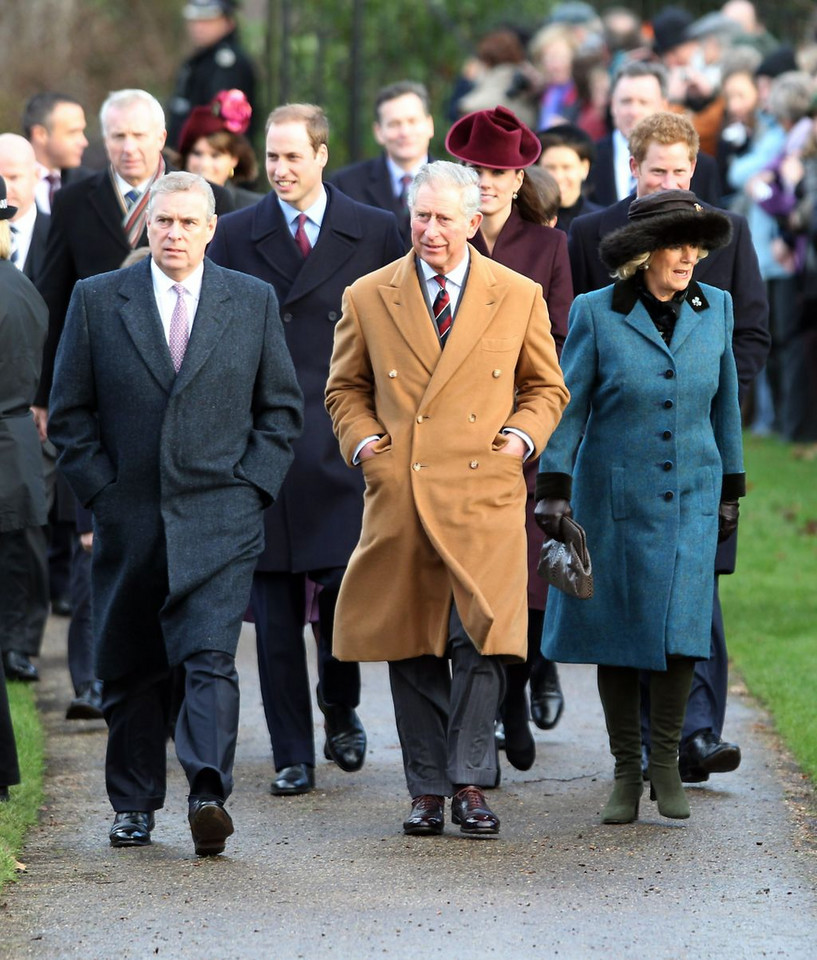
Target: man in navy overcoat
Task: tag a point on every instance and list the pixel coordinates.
(315, 523)
(177, 447)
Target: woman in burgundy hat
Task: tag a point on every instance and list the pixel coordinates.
(514, 233)
(212, 144)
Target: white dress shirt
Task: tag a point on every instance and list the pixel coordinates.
(166, 296)
(21, 236)
(621, 166)
(314, 217)
(397, 173)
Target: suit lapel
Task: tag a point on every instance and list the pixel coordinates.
(270, 236)
(140, 315)
(475, 312)
(102, 198)
(209, 325)
(379, 187)
(407, 307)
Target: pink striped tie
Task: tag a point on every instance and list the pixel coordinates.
(179, 328)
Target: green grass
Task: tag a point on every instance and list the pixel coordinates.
(770, 604)
(21, 811)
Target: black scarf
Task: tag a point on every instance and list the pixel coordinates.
(663, 313)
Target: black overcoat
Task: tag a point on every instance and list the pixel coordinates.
(316, 520)
(176, 468)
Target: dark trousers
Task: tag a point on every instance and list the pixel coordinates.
(706, 707)
(137, 709)
(80, 634)
(279, 607)
(445, 709)
(9, 768)
(23, 590)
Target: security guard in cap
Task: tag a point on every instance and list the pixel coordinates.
(218, 62)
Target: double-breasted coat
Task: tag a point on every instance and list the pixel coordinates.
(444, 510)
(539, 253)
(315, 522)
(177, 468)
(652, 429)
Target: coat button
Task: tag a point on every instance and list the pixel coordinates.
(669, 495)
(474, 464)
(667, 403)
(667, 464)
(472, 418)
(667, 434)
(392, 374)
(496, 374)
(332, 316)
(669, 374)
(416, 466)
(420, 419)
(287, 318)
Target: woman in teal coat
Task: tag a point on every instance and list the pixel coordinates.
(651, 446)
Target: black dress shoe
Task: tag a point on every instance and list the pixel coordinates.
(471, 811)
(210, 825)
(546, 698)
(520, 747)
(131, 829)
(19, 667)
(290, 781)
(427, 817)
(704, 753)
(345, 736)
(87, 704)
(62, 607)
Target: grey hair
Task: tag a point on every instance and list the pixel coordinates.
(126, 98)
(631, 69)
(642, 262)
(449, 174)
(790, 96)
(180, 182)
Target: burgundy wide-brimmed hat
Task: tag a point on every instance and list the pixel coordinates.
(228, 110)
(493, 138)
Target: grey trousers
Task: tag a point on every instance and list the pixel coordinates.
(445, 709)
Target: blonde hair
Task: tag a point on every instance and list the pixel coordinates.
(5, 240)
(664, 128)
(642, 262)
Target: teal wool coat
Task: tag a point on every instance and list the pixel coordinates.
(652, 430)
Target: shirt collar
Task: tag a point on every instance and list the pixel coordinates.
(457, 275)
(315, 213)
(191, 283)
(397, 173)
(25, 224)
(124, 187)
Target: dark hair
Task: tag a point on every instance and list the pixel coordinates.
(501, 46)
(224, 141)
(38, 110)
(568, 135)
(640, 68)
(401, 89)
(539, 198)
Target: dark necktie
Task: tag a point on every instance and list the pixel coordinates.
(54, 183)
(442, 310)
(15, 253)
(405, 182)
(131, 197)
(301, 239)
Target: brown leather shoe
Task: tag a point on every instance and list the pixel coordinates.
(470, 810)
(427, 816)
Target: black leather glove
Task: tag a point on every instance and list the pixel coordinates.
(548, 515)
(728, 513)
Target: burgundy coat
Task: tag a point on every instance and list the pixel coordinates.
(539, 253)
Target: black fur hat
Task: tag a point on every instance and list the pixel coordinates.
(665, 219)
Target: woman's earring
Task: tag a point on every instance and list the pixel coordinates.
(516, 196)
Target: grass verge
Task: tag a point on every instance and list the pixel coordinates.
(770, 605)
(21, 811)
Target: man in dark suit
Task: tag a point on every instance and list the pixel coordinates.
(404, 127)
(639, 89)
(177, 447)
(98, 221)
(29, 230)
(663, 149)
(314, 526)
(54, 124)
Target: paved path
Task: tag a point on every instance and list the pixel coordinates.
(331, 874)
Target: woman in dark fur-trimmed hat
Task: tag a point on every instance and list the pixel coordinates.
(648, 455)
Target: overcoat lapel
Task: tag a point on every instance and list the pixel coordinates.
(475, 313)
(640, 320)
(212, 319)
(141, 319)
(407, 307)
(103, 199)
(689, 317)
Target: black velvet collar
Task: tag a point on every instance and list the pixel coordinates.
(626, 294)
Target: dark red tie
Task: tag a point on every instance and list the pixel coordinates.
(301, 238)
(442, 309)
(405, 183)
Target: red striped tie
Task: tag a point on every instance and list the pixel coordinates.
(442, 309)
